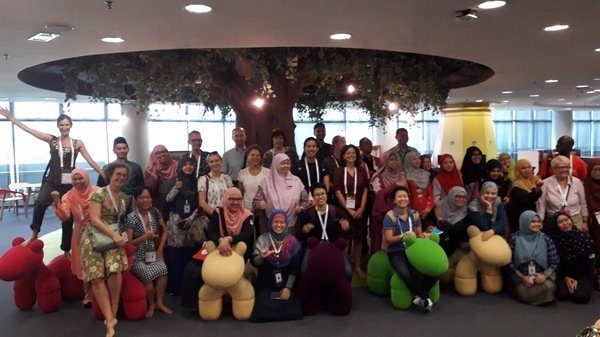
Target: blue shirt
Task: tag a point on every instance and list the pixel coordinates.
(392, 221)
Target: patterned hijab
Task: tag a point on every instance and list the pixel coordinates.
(79, 200)
(234, 220)
(529, 245)
(386, 175)
(281, 190)
(288, 243)
(448, 179)
(570, 245)
(526, 184)
(419, 176)
(450, 212)
(163, 171)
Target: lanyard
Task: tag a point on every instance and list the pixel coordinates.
(335, 161)
(346, 179)
(324, 236)
(61, 153)
(564, 194)
(571, 169)
(147, 227)
(308, 172)
(118, 210)
(410, 226)
(367, 169)
(277, 250)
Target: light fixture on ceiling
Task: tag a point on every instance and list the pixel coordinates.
(561, 99)
(597, 49)
(491, 4)
(505, 101)
(596, 78)
(109, 3)
(392, 106)
(259, 102)
(198, 8)
(478, 100)
(340, 36)
(507, 92)
(556, 28)
(466, 14)
(569, 103)
(551, 81)
(350, 89)
(582, 86)
(112, 39)
(534, 95)
(50, 32)
(590, 92)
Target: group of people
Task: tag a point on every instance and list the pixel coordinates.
(274, 200)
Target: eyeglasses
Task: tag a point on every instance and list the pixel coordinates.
(235, 199)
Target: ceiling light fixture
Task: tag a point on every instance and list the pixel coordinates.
(491, 4)
(197, 8)
(590, 92)
(114, 39)
(351, 89)
(393, 106)
(551, 81)
(478, 100)
(259, 102)
(560, 99)
(50, 32)
(582, 86)
(534, 95)
(505, 101)
(597, 49)
(466, 14)
(340, 36)
(507, 92)
(556, 28)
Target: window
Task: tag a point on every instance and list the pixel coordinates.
(36, 110)
(78, 111)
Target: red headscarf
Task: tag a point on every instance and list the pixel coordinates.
(448, 179)
(592, 188)
(234, 220)
(79, 200)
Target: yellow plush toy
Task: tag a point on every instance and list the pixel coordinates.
(225, 275)
(485, 257)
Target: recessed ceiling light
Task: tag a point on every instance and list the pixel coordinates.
(114, 39)
(596, 78)
(582, 86)
(340, 36)
(491, 4)
(466, 14)
(505, 101)
(259, 102)
(597, 49)
(507, 92)
(196, 8)
(569, 103)
(560, 99)
(43, 37)
(534, 95)
(551, 81)
(478, 100)
(590, 91)
(556, 28)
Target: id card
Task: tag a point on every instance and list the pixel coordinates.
(278, 277)
(186, 208)
(531, 268)
(65, 178)
(350, 202)
(150, 257)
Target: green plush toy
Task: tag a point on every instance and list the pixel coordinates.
(425, 256)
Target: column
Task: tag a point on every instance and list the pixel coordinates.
(462, 125)
(562, 124)
(135, 130)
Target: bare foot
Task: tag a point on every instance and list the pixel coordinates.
(110, 327)
(162, 307)
(150, 311)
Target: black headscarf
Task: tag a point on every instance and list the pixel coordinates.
(571, 245)
(501, 182)
(189, 190)
(472, 172)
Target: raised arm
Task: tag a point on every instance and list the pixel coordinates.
(46, 137)
(88, 158)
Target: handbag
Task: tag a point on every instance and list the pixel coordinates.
(195, 224)
(100, 241)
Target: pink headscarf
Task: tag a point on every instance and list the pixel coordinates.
(161, 172)
(79, 198)
(282, 191)
(234, 220)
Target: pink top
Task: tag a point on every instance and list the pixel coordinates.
(551, 200)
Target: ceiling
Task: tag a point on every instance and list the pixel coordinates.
(511, 40)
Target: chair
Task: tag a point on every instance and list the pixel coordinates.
(10, 196)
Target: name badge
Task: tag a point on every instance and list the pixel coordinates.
(65, 178)
(350, 202)
(278, 277)
(186, 208)
(531, 268)
(150, 257)
(597, 215)
(124, 236)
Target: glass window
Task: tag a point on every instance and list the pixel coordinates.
(6, 155)
(227, 137)
(84, 110)
(176, 139)
(356, 114)
(114, 111)
(333, 115)
(542, 135)
(523, 135)
(356, 131)
(212, 135)
(305, 130)
(523, 115)
(582, 133)
(431, 133)
(543, 115)
(36, 110)
(596, 138)
(503, 132)
(31, 154)
(431, 116)
(93, 134)
(197, 112)
(502, 115)
(581, 116)
(168, 111)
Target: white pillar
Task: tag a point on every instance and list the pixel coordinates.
(562, 124)
(135, 130)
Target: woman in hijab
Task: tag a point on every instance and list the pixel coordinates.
(525, 191)
(428, 166)
(508, 167)
(473, 171)
(575, 274)
(453, 220)
(493, 172)
(75, 203)
(534, 261)
(447, 177)
(421, 189)
(160, 169)
(388, 174)
(277, 255)
(592, 196)
(487, 212)
(181, 201)
(281, 190)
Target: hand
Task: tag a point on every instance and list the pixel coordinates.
(307, 228)
(488, 205)
(5, 113)
(539, 278)
(345, 225)
(178, 184)
(160, 255)
(527, 281)
(225, 246)
(265, 252)
(351, 212)
(149, 235)
(571, 284)
(55, 197)
(285, 294)
(299, 209)
(487, 235)
(430, 229)
(411, 233)
(262, 205)
(584, 226)
(119, 240)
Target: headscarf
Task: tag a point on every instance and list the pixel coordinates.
(234, 220)
(188, 191)
(447, 179)
(386, 175)
(472, 172)
(79, 201)
(510, 173)
(288, 243)
(570, 245)
(592, 188)
(501, 182)
(478, 206)
(281, 191)
(163, 172)
(529, 245)
(417, 175)
(450, 212)
(526, 184)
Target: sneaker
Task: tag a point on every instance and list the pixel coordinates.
(428, 305)
(418, 301)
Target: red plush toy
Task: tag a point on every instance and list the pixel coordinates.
(324, 279)
(133, 294)
(33, 280)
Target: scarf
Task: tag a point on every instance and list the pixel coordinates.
(79, 200)
(472, 172)
(281, 191)
(387, 176)
(592, 188)
(529, 245)
(189, 190)
(162, 172)
(448, 179)
(526, 184)
(478, 206)
(501, 182)
(570, 245)
(288, 243)
(450, 212)
(419, 176)
(233, 220)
